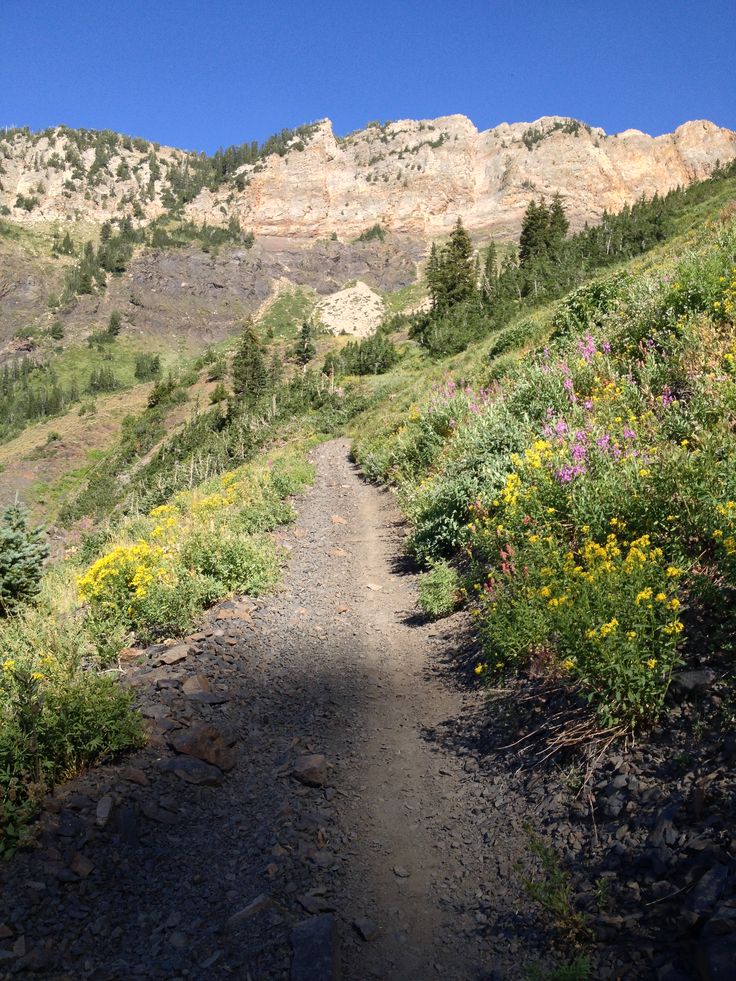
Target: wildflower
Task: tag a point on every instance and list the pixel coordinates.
(480, 668)
(661, 598)
(37, 676)
(631, 635)
(673, 572)
(652, 663)
(568, 664)
(9, 664)
(609, 628)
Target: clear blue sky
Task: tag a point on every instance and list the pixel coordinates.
(206, 73)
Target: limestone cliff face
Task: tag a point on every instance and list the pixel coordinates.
(418, 177)
(413, 177)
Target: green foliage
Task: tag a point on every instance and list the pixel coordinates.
(102, 380)
(376, 233)
(590, 491)
(552, 890)
(22, 553)
(114, 323)
(147, 367)
(57, 714)
(304, 349)
(371, 356)
(439, 590)
(248, 368)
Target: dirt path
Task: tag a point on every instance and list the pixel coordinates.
(395, 845)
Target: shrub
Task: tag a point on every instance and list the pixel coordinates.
(439, 590)
(147, 367)
(237, 563)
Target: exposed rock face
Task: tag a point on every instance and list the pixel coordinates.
(412, 177)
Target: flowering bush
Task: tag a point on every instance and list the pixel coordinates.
(592, 494)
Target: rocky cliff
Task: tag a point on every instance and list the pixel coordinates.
(411, 177)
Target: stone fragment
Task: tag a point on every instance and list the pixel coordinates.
(197, 682)
(315, 951)
(315, 904)
(254, 906)
(175, 654)
(81, 865)
(365, 928)
(311, 770)
(704, 897)
(193, 771)
(134, 775)
(204, 742)
(160, 815)
(104, 808)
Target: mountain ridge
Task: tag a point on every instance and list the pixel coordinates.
(413, 177)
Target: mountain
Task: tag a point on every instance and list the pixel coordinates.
(412, 177)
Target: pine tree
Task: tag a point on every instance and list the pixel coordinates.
(22, 552)
(558, 226)
(534, 238)
(304, 349)
(433, 276)
(248, 369)
(457, 278)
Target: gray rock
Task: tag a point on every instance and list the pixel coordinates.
(688, 682)
(311, 770)
(104, 809)
(315, 950)
(193, 771)
(703, 899)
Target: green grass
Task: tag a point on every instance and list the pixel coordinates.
(287, 312)
(404, 299)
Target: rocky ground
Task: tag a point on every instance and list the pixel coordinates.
(325, 784)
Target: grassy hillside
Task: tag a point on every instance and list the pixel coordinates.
(583, 495)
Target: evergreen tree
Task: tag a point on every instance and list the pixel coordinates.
(114, 323)
(457, 269)
(558, 226)
(275, 373)
(248, 369)
(304, 350)
(22, 552)
(433, 276)
(534, 238)
(219, 394)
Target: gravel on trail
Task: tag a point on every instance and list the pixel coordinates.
(326, 794)
(297, 805)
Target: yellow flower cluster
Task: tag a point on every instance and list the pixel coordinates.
(130, 568)
(726, 306)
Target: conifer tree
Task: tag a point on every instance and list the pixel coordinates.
(304, 350)
(558, 225)
(248, 369)
(458, 279)
(22, 551)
